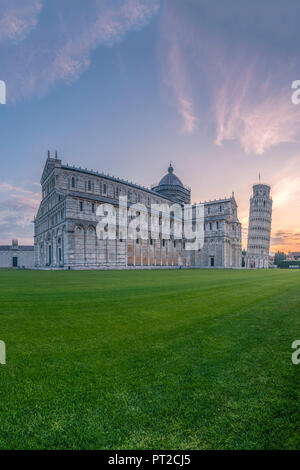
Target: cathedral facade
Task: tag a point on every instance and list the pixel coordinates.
(66, 235)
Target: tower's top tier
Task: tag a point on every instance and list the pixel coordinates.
(261, 190)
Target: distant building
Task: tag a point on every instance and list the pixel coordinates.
(16, 256)
(259, 231)
(293, 256)
(271, 259)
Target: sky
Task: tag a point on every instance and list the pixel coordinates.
(126, 86)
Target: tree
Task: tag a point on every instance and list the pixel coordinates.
(279, 256)
(244, 258)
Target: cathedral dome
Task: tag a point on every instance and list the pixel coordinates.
(170, 178)
(172, 188)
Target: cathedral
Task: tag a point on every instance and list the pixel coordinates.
(65, 227)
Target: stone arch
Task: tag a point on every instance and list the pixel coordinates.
(59, 235)
(91, 245)
(48, 249)
(79, 233)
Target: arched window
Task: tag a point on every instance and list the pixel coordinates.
(73, 182)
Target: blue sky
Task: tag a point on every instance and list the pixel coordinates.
(125, 86)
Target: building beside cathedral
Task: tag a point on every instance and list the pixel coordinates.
(16, 256)
(66, 224)
(259, 230)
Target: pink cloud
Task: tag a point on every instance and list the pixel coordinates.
(24, 195)
(17, 209)
(286, 192)
(253, 113)
(40, 64)
(187, 114)
(177, 81)
(18, 17)
(109, 26)
(245, 103)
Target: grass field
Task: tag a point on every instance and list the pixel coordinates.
(189, 359)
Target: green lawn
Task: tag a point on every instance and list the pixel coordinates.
(189, 359)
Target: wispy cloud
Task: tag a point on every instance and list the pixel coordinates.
(37, 65)
(177, 81)
(286, 238)
(18, 191)
(109, 26)
(208, 69)
(187, 114)
(17, 209)
(255, 114)
(17, 18)
(286, 191)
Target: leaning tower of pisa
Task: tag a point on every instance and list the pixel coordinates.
(259, 230)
